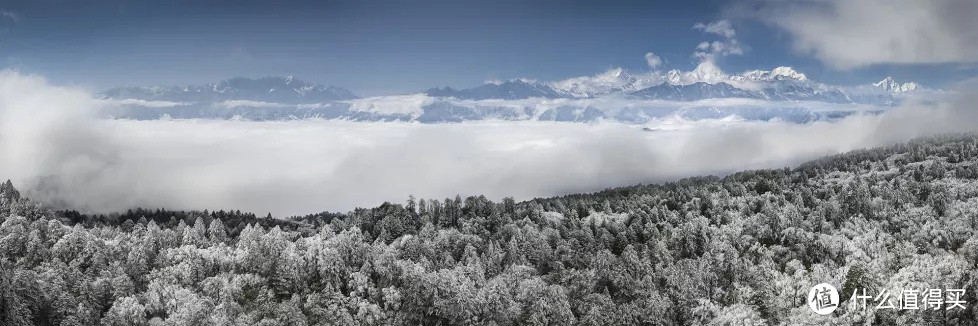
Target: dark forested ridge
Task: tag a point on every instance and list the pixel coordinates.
(739, 250)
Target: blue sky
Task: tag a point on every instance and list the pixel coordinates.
(380, 47)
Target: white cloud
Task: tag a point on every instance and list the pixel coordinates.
(151, 104)
(708, 51)
(653, 60)
(230, 104)
(52, 148)
(412, 104)
(47, 135)
(846, 34)
(721, 27)
(9, 15)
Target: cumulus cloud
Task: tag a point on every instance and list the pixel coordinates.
(846, 34)
(652, 60)
(728, 45)
(52, 147)
(721, 27)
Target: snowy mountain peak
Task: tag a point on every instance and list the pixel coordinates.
(615, 73)
(779, 73)
(611, 81)
(706, 72)
(616, 76)
(892, 86)
(788, 72)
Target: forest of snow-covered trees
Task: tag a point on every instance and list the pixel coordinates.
(739, 250)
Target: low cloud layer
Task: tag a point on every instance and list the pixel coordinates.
(846, 34)
(51, 146)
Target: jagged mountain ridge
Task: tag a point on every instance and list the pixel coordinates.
(778, 84)
(615, 95)
(692, 92)
(508, 90)
(267, 89)
(890, 85)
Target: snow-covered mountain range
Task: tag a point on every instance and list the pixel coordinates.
(268, 89)
(704, 82)
(891, 86)
(705, 92)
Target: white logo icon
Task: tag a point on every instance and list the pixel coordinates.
(823, 299)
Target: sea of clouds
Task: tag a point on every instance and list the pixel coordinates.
(55, 149)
